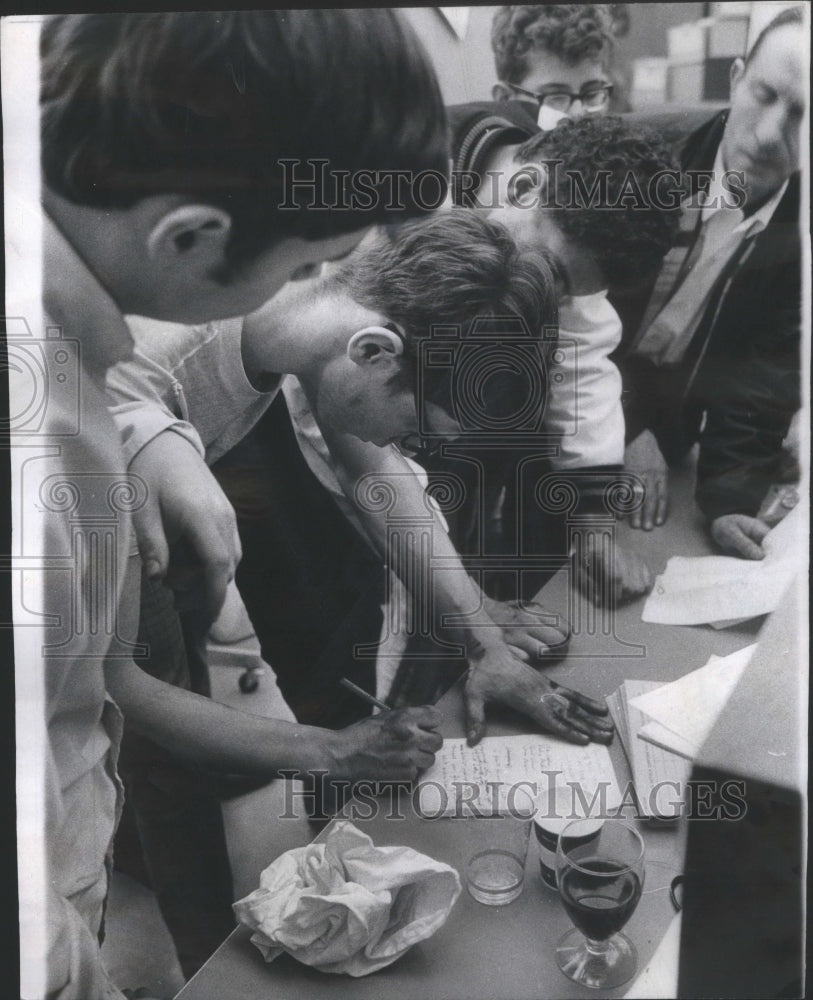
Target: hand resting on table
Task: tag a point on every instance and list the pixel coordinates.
(495, 675)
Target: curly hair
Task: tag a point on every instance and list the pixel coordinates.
(573, 32)
(616, 192)
(452, 270)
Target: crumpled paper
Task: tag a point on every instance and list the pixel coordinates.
(345, 905)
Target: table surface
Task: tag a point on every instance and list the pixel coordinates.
(508, 952)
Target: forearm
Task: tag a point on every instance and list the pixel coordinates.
(452, 590)
(210, 734)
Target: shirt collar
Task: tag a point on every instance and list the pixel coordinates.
(717, 196)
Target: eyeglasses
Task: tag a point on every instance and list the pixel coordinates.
(593, 97)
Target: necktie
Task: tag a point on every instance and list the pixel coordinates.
(685, 282)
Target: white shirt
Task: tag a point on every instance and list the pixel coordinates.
(584, 398)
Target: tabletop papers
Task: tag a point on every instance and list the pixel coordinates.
(659, 776)
(683, 713)
(724, 589)
(663, 726)
(503, 775)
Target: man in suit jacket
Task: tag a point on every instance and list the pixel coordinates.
(712, 354)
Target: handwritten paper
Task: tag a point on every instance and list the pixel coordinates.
(503, 774)
(723, 589)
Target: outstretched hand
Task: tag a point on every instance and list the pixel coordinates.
(498, 676)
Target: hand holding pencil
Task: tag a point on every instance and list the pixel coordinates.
(391, 746)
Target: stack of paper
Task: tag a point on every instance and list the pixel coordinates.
(663, 726)
(683, 714)
(659, 776)
(722, 590)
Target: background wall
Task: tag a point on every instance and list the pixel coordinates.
(465, 65)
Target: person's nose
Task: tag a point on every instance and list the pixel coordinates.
(577, 108)
(771, 129)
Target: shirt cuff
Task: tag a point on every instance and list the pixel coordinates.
(151, 421)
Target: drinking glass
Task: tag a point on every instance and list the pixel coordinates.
(600, 880)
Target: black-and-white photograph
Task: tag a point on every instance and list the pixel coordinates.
(408, 441)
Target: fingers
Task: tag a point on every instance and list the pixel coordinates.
(662, 502)
(755, 529)
(475, 708)
(424, 716)
(641, 493)
(581, 700)
(651, 500)
(740, 535)
(538, 644)
(218, 556)
(643, 458)
(553, 722)
(564, 718)
(152, 541)
(631, 576)
(655, 506)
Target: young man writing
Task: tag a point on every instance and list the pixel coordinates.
(353, 340)
(163, 140)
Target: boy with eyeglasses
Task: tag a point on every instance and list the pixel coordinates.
(554, 59)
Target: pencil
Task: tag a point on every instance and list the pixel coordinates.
(364, 694)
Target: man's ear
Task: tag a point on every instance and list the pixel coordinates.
(373, 345)
(736, 73)
(528, 185)
(501, 92)
(193, 232)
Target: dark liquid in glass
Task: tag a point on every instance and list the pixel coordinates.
(598, 903)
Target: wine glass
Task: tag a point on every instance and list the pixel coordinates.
(600, 878)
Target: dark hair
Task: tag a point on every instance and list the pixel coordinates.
(573, 32)
(792, 15)
(627, 236)
(454, 269)
(206, 105)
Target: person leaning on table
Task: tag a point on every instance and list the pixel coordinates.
(713, 356)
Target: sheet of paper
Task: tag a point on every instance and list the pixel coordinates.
(663, 737)
(490, 776)
(690, 705)
(718, 589)
(728, 623)
(659, 776)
